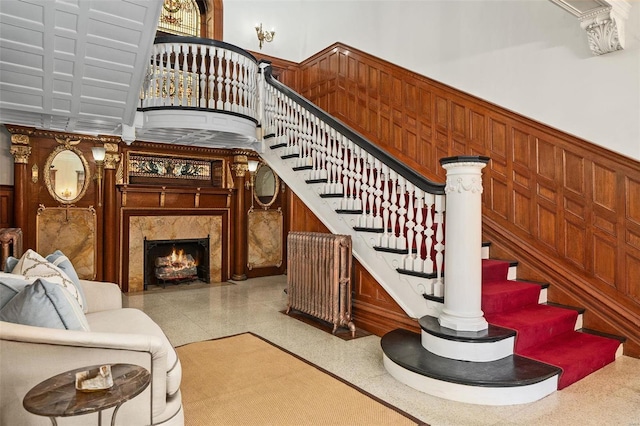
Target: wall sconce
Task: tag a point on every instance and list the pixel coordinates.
(99, 153)
(264, 35)
(252, 166)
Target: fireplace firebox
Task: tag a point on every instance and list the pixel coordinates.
(176, 261)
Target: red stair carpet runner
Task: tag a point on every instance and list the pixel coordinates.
(544, 333)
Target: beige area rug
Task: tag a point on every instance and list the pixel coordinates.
(247, 380)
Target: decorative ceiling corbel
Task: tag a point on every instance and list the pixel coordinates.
(603, 20)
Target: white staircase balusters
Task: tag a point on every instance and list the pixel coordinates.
(377, 220)
(410, 224)
(371, 189)
(418, 263)
(429, 233)
(393, 208)
(384, 238)
(357, 177)
(401, 242)
(220, 54)
(364, 191)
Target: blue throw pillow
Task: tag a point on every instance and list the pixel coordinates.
(45, 304)
(61, 261)
(10, 263)
(10, 285)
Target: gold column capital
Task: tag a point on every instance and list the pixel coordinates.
(112, 156)
(240, 166)
(20, 153)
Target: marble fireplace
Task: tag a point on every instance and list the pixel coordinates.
(172, 227)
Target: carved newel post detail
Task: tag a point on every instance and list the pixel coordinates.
(20, 149)
(463, 253)
(239, 168)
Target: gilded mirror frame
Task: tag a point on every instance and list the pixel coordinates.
(66, 146)
(276, 187)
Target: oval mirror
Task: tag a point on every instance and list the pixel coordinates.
(266, 185)
(66, 174)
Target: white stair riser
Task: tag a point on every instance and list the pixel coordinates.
(482, 395)
(468, 351)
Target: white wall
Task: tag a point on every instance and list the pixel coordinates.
(6, 159)
(529, 56)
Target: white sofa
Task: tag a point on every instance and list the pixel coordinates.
(30, 354)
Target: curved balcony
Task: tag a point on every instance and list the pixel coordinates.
(199, 92)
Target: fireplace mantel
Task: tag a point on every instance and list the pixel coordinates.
(174, 197)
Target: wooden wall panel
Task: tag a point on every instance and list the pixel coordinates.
(548, 197)
(6, 206)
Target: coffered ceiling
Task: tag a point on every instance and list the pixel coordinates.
(74, 65)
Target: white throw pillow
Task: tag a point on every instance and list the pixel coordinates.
(32, 265)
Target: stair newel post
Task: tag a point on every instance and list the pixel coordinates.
(463, 256)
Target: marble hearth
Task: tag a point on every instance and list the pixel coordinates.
(172, 228)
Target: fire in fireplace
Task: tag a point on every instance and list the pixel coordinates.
(176, 261)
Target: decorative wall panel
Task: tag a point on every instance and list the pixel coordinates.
(548, 195)
(71, 230)
(264, 235)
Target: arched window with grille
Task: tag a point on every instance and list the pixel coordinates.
(180, 17)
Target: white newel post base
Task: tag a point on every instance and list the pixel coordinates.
(463, 245)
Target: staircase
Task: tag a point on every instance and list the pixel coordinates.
(396, 220)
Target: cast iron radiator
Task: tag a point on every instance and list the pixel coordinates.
(319, 277)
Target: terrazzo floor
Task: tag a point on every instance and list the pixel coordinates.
(610, 396)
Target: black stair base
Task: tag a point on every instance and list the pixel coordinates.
(492, 334)
(404, 348)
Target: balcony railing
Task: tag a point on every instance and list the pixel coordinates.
(198, 73)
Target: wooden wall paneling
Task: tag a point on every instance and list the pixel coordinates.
(6, 206)
(560, 196)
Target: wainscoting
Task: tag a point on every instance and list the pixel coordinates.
(567, 209)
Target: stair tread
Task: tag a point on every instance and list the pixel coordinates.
(405, 349)
(578, 354)
(504, 295)
(549, 322)
(492, 334)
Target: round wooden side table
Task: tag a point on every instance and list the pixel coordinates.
(58, 397)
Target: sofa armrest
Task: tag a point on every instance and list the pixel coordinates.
(32, 354)
(101, 296)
